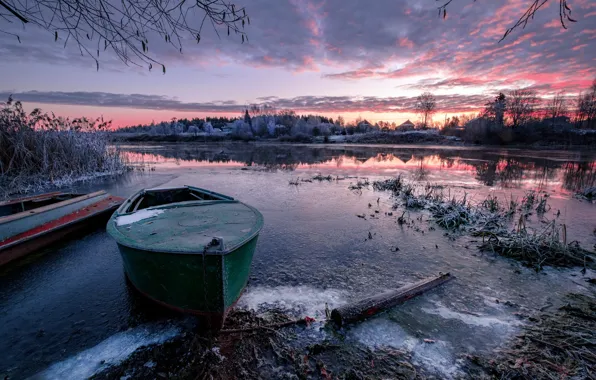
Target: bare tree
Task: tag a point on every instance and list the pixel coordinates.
(521, 105)
(126, 27)
(586, 108)
(495, 110)
(557, 107)
(426, 106)
(535, 5)
(255, 110)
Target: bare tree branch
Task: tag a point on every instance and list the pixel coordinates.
(426, 106)
(527, 16)
(127, 26)
(23, 19)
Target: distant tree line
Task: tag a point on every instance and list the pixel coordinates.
(257, 121)
(515, 113)
(521, 116)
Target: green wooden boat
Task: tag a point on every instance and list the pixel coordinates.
(187, 248)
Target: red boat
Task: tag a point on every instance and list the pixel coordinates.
(30, 223)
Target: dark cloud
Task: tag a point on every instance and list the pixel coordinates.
(319, 104)
(386, 39)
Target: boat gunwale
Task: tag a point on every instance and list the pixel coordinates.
(50, 207)
(121, 239)
(139, 193)
(9, 202)
(62, 226)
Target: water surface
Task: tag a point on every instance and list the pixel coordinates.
(73, 299)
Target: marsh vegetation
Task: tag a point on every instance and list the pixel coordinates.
(38, 151)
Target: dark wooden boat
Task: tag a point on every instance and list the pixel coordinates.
(187, 248)
(30, 223)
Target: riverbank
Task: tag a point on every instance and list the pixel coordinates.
(413, 137)
(562, 140)
(541, 350)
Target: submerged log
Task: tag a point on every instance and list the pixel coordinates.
(370, 306)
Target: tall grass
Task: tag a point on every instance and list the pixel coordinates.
(38, 150)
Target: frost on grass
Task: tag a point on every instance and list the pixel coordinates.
(392, 184)
(538, 248)
(493, 220)
(452, 212)
(39, 151)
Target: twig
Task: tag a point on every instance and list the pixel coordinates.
(301, 321)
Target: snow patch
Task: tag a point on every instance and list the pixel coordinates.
(299, 301)
(109, 352)
(437, 357)
(136, 216)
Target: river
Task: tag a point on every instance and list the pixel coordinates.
(67, 312)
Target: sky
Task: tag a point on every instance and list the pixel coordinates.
(354, 58)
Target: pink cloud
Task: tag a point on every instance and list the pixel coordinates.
(405, 42)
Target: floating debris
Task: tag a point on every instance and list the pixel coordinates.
(322, 178)
(361, 184)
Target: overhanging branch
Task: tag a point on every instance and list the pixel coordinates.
(15, 13)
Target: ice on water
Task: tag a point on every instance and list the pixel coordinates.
(111, 351)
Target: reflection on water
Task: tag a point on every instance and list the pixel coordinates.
(577, 176)
(74, 302)
(500, 168)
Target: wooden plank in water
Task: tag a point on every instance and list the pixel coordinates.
(370, 306)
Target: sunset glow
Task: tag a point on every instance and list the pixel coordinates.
(355, 59)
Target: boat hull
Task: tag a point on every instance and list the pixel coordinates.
(59, 224)
(204, 285)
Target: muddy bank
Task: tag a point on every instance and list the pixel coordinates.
(261, 353)
(552, 344)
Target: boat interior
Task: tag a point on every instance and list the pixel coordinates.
(159, 197)
(31, 203)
